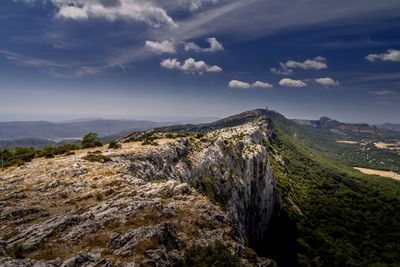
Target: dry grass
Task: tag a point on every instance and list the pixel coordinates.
(99, 239)
(49, 253)
(147, 244)
(146, 217)
(390, 146)
(387, 174)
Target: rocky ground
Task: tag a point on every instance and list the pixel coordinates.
(145, 207)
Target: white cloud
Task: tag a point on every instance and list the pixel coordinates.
(281, 70)
(191, 5)
(244, 85)
(161, 47)
(215, 46)
(196, 4)
(326, 81)
(292, 83)
(30, 61)
(390, 55)
(382, 92)
(190, 65)
(260, 84)
(72, 12)
(112, 10)
(317, 63)
(239, 84)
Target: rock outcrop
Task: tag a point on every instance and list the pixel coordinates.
(149, 204)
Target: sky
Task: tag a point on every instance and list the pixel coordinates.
(176, 59)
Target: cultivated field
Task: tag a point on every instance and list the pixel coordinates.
(388, 174)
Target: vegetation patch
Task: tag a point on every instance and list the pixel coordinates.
(96, 157)
(336, 217)
(52, 151)
(214, 255)
(91, 140)
(206, 186)
(149, 142)
(114, 145)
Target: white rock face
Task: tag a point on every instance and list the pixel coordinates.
(234, 160)
(147, 205)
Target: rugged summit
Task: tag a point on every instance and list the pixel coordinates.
(160, 194)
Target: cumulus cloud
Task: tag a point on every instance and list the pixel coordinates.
(239, 84)
(190, 65)
(281, 70)
(72, 12)
(244, 85)
(215, 46)
(326, 81)
(260, 84)
(317, 63)
(161, 47)
(292, 83)
(143, 11)
(389, 55)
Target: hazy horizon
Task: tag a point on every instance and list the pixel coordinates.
(173, 119)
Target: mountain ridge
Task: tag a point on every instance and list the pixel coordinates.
(249, 179)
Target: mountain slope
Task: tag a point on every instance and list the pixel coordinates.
(256, 180)
(143, 204)
(343, 218)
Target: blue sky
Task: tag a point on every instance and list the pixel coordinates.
(68, 59)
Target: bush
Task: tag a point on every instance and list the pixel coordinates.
(114, 145)
(199, 135)
(50, 151)
(91, 140)
(214, 255)
(96, 157)
(25, 154)
(206, 186)
(149, 142)
(47, 152)
(16, 157)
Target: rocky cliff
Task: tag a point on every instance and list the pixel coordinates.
(161, 193)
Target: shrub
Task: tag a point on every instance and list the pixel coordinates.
(214, 255)
(69, 153)
(114, 145)
(91, 140)
(17, 251)
(149, 142)
(47, 152)
(199, 135)
(170, 136)
(25, 154)
(95, 157)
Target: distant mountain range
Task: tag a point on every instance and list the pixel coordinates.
(38, 134)
(390, 126)
(70, 130)
(355, 130)
(41, 133)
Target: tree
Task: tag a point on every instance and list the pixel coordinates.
(91, 140)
